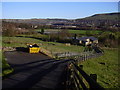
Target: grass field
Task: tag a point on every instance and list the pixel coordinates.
(39, 30)
(52, 46)
(83, 32)
(107, 74)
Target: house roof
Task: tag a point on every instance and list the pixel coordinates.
(93, 38)
(84, 38)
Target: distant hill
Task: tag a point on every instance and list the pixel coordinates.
(107, 21)
(107, 16)
(37, 21)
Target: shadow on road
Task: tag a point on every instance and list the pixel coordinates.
(36, 77)
(22, 49)
(28, 74)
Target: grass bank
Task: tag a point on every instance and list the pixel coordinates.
(106, 67)
(4, 67)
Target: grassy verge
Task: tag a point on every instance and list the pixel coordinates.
(5, 67)
(108, 72)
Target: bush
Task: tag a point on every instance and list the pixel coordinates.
(9, 32)
(108, 39)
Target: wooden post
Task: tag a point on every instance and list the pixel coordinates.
(56, 56)
(51, 54)
(82, 57)
(76, 62)
(94, 77)
(81, 67)
(85, 57)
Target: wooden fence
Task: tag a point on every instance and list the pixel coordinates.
(77, 56)
(77, 79)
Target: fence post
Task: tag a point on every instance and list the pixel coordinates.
(56, 56)
(68, 76)
(81, 67)
(85, 56)
(76, 61)
(52, 54)
(94, 77)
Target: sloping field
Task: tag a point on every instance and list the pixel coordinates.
(106, 67)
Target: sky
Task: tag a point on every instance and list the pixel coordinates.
(60, 0)
(67, 10)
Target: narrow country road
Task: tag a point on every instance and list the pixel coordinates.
(34, 71)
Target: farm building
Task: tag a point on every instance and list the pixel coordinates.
(86, 40)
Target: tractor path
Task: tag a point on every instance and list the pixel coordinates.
(34, 71)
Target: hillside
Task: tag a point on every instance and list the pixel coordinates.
(107, 16)
(108, 21)
(37, 21)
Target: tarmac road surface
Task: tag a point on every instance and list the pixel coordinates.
(34, 71)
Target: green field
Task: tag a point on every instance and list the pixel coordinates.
(107, 74)
(51, 46)
(73, 31)
(39, 30)
(84, 31)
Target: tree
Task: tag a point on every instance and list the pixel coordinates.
(42, 31)
(75, 36)
(9, 29)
